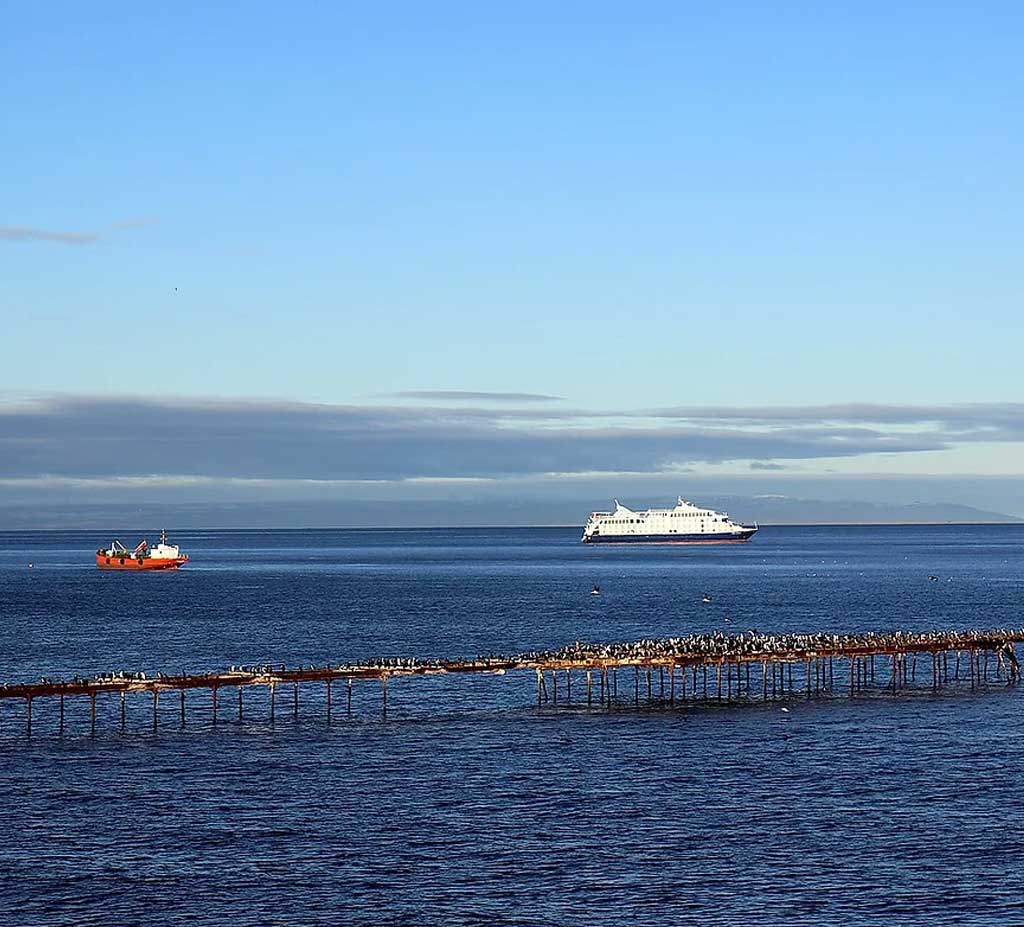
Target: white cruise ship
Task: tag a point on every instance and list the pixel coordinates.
(685, 524)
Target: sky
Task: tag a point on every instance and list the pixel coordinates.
(278, 250)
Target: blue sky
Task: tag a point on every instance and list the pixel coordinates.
(629, 207)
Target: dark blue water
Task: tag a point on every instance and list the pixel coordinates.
(469, 805)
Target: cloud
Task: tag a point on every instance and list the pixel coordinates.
(22, 233)
(93, 437)
(762, 465)
(462, 395)
(139, 222)
(969, 418)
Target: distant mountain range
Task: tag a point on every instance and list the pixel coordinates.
(766, 510)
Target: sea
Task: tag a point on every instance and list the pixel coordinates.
(469, 805)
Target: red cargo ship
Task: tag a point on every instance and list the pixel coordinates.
(162, 557)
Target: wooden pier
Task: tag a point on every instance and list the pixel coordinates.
(670, 672)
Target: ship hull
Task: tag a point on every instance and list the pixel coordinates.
(139, 564)
(738, 538)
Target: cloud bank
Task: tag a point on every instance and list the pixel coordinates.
(101, 437)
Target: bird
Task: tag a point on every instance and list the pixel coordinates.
(596, 590)
(706, 599)
(932, 577)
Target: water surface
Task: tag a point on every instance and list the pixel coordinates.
(470, 806)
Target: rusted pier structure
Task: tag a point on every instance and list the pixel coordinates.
(667, 671)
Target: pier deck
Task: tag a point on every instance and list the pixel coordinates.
(697, 667)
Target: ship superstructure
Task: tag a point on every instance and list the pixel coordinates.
(685, 524)
(163, 556)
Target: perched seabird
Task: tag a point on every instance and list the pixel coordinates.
(706, 599)
(596, 590)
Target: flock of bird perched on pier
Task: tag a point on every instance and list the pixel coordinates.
(752, 644)
(691, 649)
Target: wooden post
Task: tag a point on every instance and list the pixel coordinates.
(328, 701)
(636, 686)
(156, 695)
(273, 698)
(661, 682)
(672, 684)
(62, 714)
(239, 703)
(182, 707)
(92, 713)
(852, 660)
(295, 702)
(615, 682)
(122, 710)
(764, 680)
(349, 680)
(214, 704)
(568, 686)
(28, 716)
(554, 687)
(590, 689)
(648, 684)
(384, 693)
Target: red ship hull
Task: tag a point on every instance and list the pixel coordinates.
(138, 564)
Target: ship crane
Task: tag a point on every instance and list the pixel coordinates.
(142, 546)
